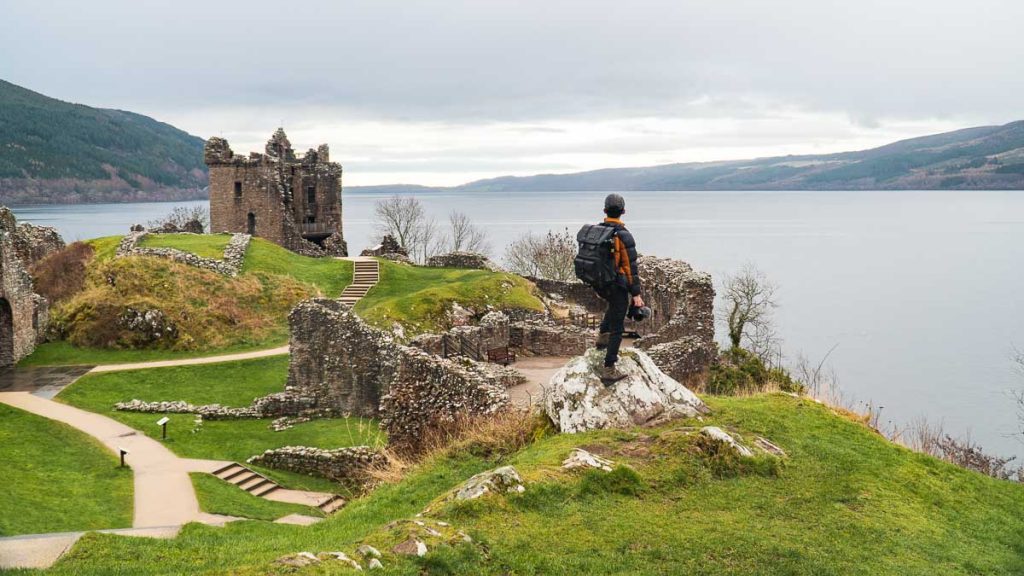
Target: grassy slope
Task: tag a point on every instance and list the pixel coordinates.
(57, 479)
(229, 384)
(205, 245)
(417, 297)
(219, 497)
(845, 502)
(328, 275)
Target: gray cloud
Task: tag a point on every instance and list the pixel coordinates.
(527, 64)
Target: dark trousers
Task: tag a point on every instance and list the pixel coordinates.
(614, 319)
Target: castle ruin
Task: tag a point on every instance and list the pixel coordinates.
(291, 200)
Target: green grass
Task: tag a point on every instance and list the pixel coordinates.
(204, 245)
(328, 274)
(104, 247)
(418, 297)
(845, 501)
(229, 384)
(57, 479)
(219, 497)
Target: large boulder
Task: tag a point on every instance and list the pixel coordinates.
(576, 400)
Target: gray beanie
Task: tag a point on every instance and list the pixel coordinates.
(614, 201)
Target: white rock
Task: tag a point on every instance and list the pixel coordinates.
(769, 447)
(499, 480)
(375, 564)
(582, 459)
(576, 400)
(722, 436)
(342, 557)
(367, 550)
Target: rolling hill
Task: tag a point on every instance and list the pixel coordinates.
(57, 152)
(987, 157)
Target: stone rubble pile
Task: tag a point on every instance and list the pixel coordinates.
(462, 259)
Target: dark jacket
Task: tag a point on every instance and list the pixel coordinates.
(629, 277)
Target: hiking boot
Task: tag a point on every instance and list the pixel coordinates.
(602, 341)
(610, 375)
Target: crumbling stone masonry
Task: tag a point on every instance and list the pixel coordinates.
(388, 249)
(294, 201)
(471, 260)
(24, 314)
(349, 466)
(230, 265)
(350, 367)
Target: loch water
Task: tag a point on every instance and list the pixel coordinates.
(921, 294)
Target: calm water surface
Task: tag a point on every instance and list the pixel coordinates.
(920, 291)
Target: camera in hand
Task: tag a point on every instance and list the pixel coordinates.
(638, 313)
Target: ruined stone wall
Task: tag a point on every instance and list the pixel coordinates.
(274, 190)
(470, 260)
(429, 395)
(24, 315)
(339, 359)
(349, 466)
(230, 265)
(681, 337)
(543, 339)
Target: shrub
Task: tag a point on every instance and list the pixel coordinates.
(739, 371)
(61, 274)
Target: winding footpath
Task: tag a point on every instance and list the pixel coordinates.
(164, 498)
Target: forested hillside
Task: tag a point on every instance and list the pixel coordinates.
(55, 152)
(982, 158)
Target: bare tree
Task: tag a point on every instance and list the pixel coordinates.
(544, 256)
(182, 215)
(749, 301)
(400, 217)
(466, 236)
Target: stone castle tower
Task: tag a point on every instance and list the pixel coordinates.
(294, 201)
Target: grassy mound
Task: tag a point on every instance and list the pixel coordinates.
(844, 501)
(418, 297)
(213, 314)
(229, 384)
(57, 479)
(191, 308)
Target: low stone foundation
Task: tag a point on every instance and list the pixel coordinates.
(287, 403)
(230, 265)
(346, 465)
(471, 260)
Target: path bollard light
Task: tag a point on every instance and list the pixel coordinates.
(163, 422)
(123, 454)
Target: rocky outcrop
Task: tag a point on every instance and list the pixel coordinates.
(461, 259)
(577, 401)
(498, 481)
(580, 458)
(350, 466)
(230, 265)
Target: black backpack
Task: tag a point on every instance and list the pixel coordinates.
(595, 262)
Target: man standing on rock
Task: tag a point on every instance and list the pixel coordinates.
(620, 292)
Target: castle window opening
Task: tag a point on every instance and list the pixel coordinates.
(310, 194)
(238, 188)
(251, 224)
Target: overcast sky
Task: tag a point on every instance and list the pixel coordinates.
(445, 92)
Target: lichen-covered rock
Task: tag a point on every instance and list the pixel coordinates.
(580, 458)
(717, 434)
(498, 481)
(576, 400)
(410, 547)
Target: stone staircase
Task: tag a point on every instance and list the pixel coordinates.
(365, 276)
(259, 485)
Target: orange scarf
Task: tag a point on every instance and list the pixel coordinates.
(620, 254)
